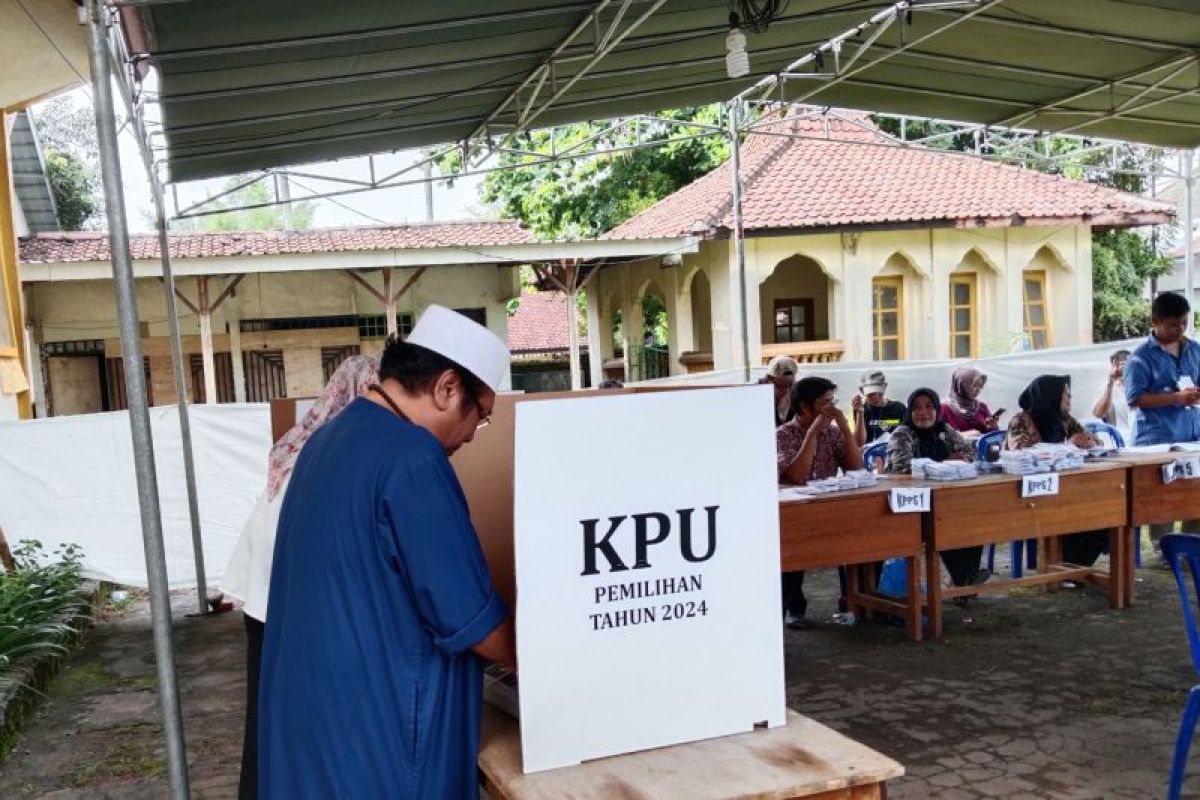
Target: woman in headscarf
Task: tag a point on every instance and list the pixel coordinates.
(248, 575)
(1045, 416)
(923, 434)
(964, 411)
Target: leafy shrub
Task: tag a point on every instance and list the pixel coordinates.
(40, 606)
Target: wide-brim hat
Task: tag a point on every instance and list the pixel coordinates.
(463, 341)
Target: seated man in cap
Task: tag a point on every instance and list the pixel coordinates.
(381, 607)
(874, 414)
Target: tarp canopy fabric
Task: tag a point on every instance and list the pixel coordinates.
(277, 82)
(70, 480)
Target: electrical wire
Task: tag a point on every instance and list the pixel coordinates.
(755, 15)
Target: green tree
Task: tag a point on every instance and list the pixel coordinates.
(66, 131)
(239, 218)
(73, 184)
(585, 197)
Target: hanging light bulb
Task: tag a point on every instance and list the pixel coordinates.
(737, 61)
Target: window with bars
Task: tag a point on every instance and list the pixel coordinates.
(332, 358)
(299, 323)
(223, 367)
(1037, 310)
(374, 326)
(963, 312)
(112, 384)
(887, 310)
(78, 347)
(265, 379)
(794, 320)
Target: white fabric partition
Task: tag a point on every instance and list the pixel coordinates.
(1007, 375)
(70, 479)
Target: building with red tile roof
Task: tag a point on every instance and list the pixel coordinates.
(842, 173)
(266, 314)
(859, 247)
(539, 324)
(65, 248)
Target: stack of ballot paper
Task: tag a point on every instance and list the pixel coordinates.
(855, 479)
(1042, 458)
(953, 470)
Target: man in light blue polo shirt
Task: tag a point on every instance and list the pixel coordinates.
(1162, 383)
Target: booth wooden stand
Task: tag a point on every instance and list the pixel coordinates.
(803, 759)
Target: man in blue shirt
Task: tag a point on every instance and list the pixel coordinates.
(380, 602)
(1162, 382)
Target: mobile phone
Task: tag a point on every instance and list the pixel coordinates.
(996, 414)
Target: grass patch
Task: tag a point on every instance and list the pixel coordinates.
(132, 756)
(81, 678)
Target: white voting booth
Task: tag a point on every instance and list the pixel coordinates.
(647, 571)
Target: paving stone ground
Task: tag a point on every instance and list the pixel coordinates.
(1030, 695)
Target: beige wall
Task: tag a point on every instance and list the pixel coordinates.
(845, 264)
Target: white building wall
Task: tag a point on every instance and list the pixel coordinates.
(925, 259)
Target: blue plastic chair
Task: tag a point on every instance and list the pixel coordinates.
(987, 440)
(874, 451)
(1178, 548)
(1102, 429)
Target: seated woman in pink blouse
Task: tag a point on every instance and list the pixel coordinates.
(964, 411)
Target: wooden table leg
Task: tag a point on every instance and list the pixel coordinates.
(933, 589)
(1120, 572)
(913, 621)
(853, 588)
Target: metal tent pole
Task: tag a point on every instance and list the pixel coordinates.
(1189, 228)
(139, 413)
(739, 240)
(185, 422)
(168, 278)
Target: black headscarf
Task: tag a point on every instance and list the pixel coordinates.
(927, 442)
(1042, 401)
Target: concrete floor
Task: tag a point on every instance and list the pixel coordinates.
(1030, 695)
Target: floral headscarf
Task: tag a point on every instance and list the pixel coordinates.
(351, 380)
(960, 387)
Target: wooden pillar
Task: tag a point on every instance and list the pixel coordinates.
(233, 316)
(389, 303)
(595, 341)
(573, 337)
(206, 341)
(12, 336)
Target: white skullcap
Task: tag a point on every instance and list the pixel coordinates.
(463, 341)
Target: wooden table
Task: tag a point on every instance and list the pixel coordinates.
(802, 759)
(990, 509)
(1153, 502)
(855, 528)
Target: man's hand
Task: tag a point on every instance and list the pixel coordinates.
(833, 414)
(1188, 397)
(856, 403)
(1114, 373)
(1083, 440)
